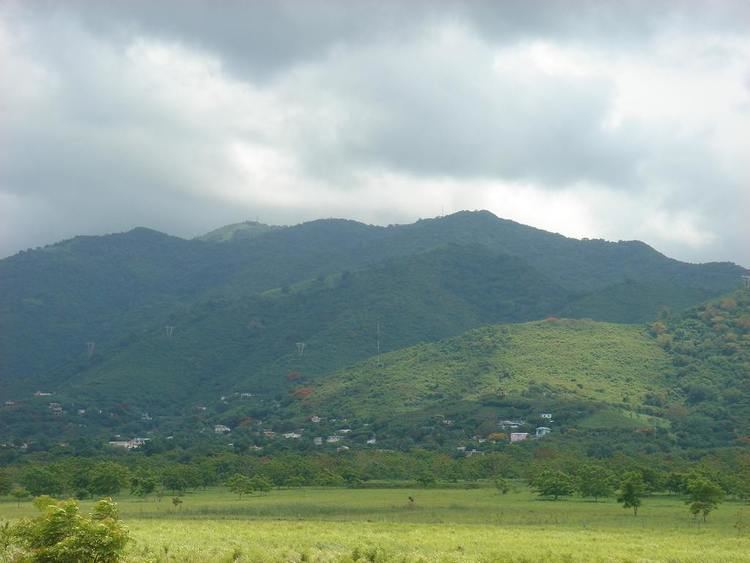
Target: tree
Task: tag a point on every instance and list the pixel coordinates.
(240, 484)
(107, 478)
(705, 496)
(63, 535)
(42, 481)
(632, 488)
(261, 484)
(676, 483)
(594, 481)
(143, 485)
(502, 485)
(5, 483)
(553, 484)
(19, 493)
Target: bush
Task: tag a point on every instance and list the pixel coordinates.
(62, 535)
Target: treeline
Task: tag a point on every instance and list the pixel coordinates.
(551, 472)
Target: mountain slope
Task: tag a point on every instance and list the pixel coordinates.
(557, 359)
(111, 290)
(251, 343)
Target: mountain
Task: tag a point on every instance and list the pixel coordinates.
(158, 322)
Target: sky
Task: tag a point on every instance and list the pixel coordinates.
(592, 118)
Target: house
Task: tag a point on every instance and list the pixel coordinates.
(518, 436)
(221, 429)
(372, 441)
(246, 395)
(81, 412)
(120, 444)
(137, 442)
(546, 415)
(342, 449)
(42, 394)
(510, 424)
(318, 441)
(315, 419)
(333, 439)
(10, 403)
(344, 431)
(56, 409)
(542, 431)
(131, 444)
(145, 417)
(269, 433)
(292, 435)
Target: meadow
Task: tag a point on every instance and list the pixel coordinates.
(439, 525)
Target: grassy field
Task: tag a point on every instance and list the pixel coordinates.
(440, 525)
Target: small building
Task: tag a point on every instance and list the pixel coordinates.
(542, 431)
(42, 394)
(318, 441)
(269, 433)
(333, 439)
(246, 395)
(120, 444)
(372, 441)
(292, 435)
(510, 424)
(518, 436)
(342, 449)
(221, 429)
(546, 415)
(315, 419)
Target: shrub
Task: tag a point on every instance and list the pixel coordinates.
(62, 535)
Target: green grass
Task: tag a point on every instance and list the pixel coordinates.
(573, 359)
(441, 525)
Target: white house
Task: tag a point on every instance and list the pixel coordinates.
(221, 429)
(518, 436)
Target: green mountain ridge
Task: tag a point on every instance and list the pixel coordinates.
(160, 323)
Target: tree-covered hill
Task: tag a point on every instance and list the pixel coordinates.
(710, 350)
(250, 343)
(88, 313)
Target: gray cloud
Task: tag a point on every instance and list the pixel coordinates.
(186, 115)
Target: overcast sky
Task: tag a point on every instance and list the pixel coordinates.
(621, 120)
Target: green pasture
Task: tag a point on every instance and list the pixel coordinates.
(326, 524)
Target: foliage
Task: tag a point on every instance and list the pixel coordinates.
(19, 493)
(594, 481)
(705, 496)
(551, 483)
(632, 489)
(240, 484)
(61, 534)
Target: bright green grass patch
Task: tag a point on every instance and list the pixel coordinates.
(619, 418)
(571, 358)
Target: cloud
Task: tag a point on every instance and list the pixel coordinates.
(621, 120)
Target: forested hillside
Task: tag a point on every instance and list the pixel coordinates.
(161, 324)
